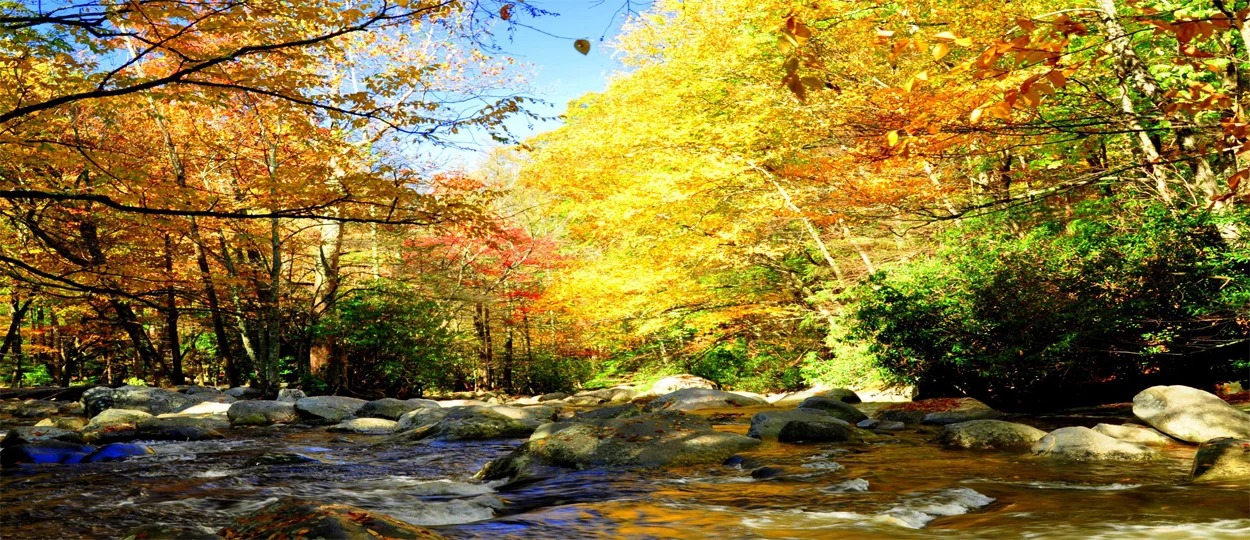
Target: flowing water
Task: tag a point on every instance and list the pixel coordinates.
(895, 486)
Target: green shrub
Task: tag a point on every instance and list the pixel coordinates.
(37, 376)
(1114, 293)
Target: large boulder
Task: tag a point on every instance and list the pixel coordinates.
(423, 417)
(48, 451)
(1134, 433)
(1084, 444)
(668, 438)
(794, 399)
(207, 407)
(200, 389)
(298, 518)
(391, 408)
(96, 400)
(989, 435)
(261, 413)
(551, 396)
(291, 395)
(811, 425)
(328, 409)
(1189, 414)
(937, 411)
(154, 400)
(37, 408)
(245, 392)
(1222, 459)
(689, 399)
(73, 423)
(674, 383)
(835, 407)
(476, 423)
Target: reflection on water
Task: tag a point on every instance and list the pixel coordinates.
(895, 486)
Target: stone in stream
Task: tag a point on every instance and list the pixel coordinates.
(801, 426)
(392, 409)
(616, 411)
(297, 518)
(281, 458)
(245, 392)
(207, 407)
(989, 435)
(113, 423)
(1190, 414)
(795, 399)
(48, 451)
(365, 426)
(937, 411)
(1221, 459)
(835, 407)
(200, 389)
(261, 413)
(36, 408)
(473, 423)
(1134, 433)
(552, 396)
(671, 384)
(328, 409)
(1084, 444)
(140, 398)
(172, 428)
(73, 423)
(33, 434)
(689, 399)
(667, 438)
(117, 451)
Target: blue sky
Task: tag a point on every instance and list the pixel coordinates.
(559, 72)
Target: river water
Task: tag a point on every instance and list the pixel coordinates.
(896, 486)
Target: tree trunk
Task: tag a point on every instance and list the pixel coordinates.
(322, 351)
(13, 338)
(172, 341)
(139, 338)
(225, 350)
(485, 354)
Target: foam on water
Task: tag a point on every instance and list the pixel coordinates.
(453, 512)
(852, 485)
(829, 466)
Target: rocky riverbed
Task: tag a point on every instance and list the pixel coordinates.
(683, 461)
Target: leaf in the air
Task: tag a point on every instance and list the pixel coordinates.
(582, 46)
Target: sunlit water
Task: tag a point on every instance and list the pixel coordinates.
(895, 486)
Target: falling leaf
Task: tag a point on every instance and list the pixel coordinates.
(941, 50)
(945, 37)
(582, 46)
(892, 138)
(505, 12)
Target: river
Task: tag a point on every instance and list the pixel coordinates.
(898, 485)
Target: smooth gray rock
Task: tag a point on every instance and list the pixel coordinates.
(668, 385)
(37, 408)
(476, 423)
(989, 435)
(72, 423)
(174, 428)
(139, 398)
(616, 411)
(199, 389)
(795, 399)
(801, 426)
(835, 407)
(422, 417)
(113, 424)
(391, 408)
(689, 399)
(1221, 460)
(261, 413)
(245, 392)
(668, 438)
(1134, 433)
(367, 426)
(1084, 444)
(328, 409)
(1190, 414)
(552, 396)
(33, 434)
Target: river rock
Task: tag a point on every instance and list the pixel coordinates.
(172, 428)
(938, 411)
(476, 423)
(795, 399)
(422, 417)
(245, 392)
(367, 426)
(1134, 433)
(545, 430)
(261, 413)
(37, 408)
(667, 438)
(113, 424)
(197, 389)
(689, 399)
(96, 400)
(207, 407)
(298, 518)
(73, 423)
(552, 396)
(117, 451)
(1084, 444)
(801, 426)
(281, 458)
(617, 411)
(1190, 414)
(668, 385)
(328, 409)
(1222, 459)
(835, 407)
(392, 409)
(33, 434)
(989, 435)
(154, 400)
(291, 395)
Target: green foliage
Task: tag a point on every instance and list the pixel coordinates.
(136, 381)
(37, 376)
(849, 362)
(1114, 292)
(551, 373)
(741, 365)
(392, 342)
